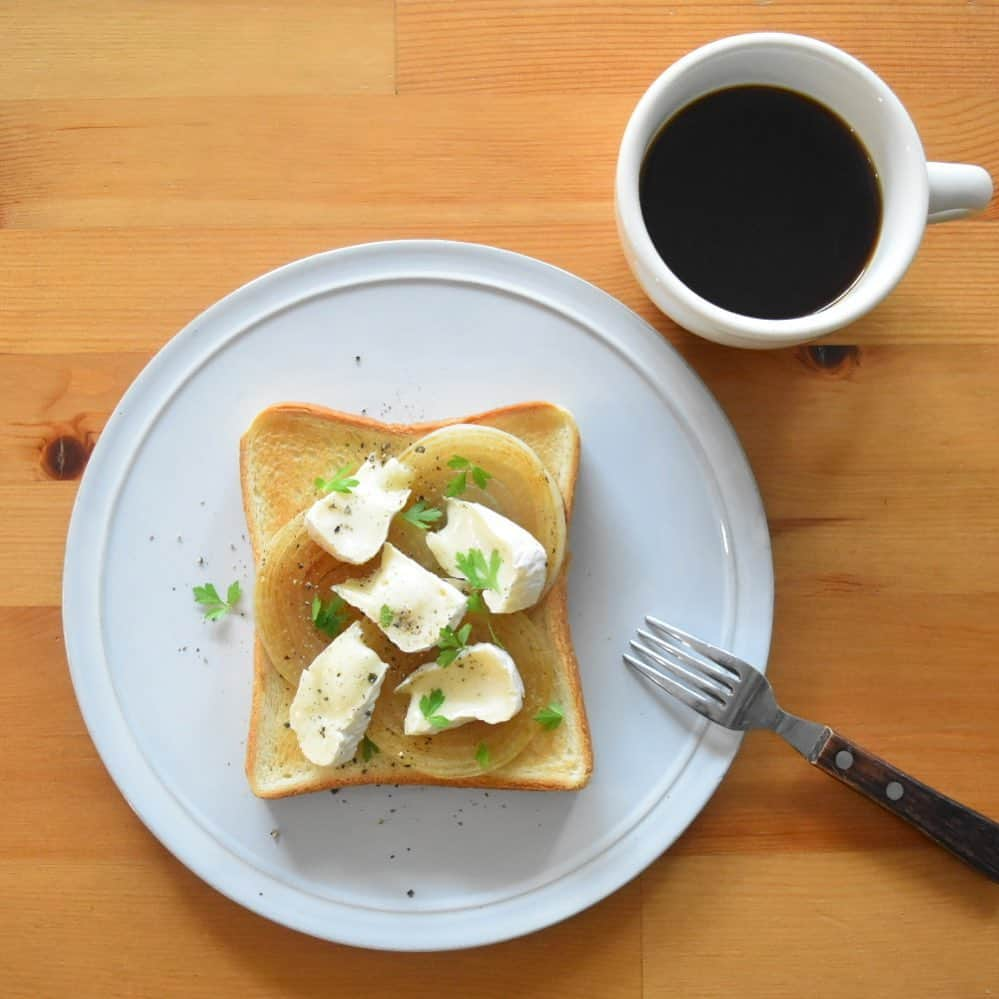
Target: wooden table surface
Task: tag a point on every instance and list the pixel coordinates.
(155, 155)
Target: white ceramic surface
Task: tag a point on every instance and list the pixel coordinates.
(913, 191)
(668, 521)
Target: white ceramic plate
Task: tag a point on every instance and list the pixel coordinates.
(668, 521)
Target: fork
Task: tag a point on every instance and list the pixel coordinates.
(729, 692)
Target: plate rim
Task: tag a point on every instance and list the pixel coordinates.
(537, 916)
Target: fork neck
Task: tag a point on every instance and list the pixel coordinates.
(806, 736)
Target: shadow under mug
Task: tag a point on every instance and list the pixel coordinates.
(914, 192)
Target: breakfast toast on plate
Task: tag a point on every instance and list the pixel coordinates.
(322, 580)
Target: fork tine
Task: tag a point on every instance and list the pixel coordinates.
(722, 659)
(679, 674)
(715, 678)
(686, 665)
(699, 702)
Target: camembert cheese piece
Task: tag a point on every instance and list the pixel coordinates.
(336, 695)
(352, 526)
(410, 604)
(481, 684)
(523, 562)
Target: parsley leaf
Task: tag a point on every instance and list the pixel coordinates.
(482, 575)
(459, 483)
(329, 618)
(215, 607)
(422, 516)
(482, 755)
(429, 703)
(386, 616)
(340, 483)
(551, 717)
(451, 643)
(368, 749)
(475, 603)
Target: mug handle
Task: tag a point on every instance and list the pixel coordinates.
(957, 190)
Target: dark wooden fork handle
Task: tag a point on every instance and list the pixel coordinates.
(966, 833)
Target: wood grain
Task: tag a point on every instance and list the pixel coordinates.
(81, 49)
(860, 464)
(132, 289)
(573, 47)
(154, 156)
(172, 937)
(223, 161)
(850, 923)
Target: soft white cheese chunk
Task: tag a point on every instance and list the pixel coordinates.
(353, 526)
(336, 695)
(409, 603)
(482, 684)
(524, 562)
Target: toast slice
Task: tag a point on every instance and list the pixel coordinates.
(285, 448)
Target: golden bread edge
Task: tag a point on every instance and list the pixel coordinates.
(555, 609)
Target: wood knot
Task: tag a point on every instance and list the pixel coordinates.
(830, 359)
(65, 456)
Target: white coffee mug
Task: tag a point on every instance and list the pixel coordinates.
(914, 192)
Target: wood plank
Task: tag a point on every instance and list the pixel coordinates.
(48, 399)
(823, 924)
(858, 501)
(33, 541)
(781, 404)
(175, 936)
(295, 160)
(83, 817)
(919, 408)
(577, 48)
(321, 160)
(114, 882)
(105, 290)
(106, 49)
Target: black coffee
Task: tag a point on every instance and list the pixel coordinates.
(762, 201)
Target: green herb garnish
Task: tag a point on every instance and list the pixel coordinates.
(329, 618)
(429, 703)
(451, 643)
(340, 483)
(368, 749)
(459, 483)
(215, 607)
(551, 717)
(482, 755)
(386, 615)
(482, 575)
(422, 516)
(475, 603)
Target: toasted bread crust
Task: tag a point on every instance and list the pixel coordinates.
(566, 761)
